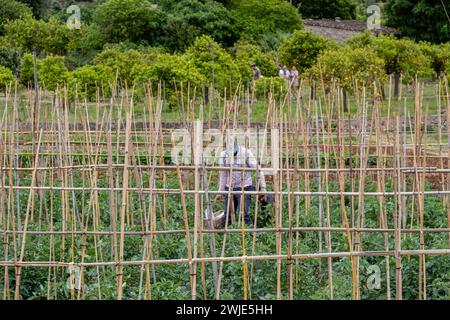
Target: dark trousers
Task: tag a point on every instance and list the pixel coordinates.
(235, 203)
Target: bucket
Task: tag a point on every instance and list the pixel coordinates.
(218, 219)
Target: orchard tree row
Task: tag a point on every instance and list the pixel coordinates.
(136, 42)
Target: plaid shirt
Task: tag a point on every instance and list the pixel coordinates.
(243, 159)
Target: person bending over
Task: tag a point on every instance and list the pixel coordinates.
(239, 157)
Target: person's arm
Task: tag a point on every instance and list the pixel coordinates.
(253, 163)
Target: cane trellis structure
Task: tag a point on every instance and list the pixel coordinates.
(94, 206)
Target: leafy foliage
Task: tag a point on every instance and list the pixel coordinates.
(52, 71)
(124, 63)
(226, 70)
(40, 8)
(399, 55)
(9, 57)
(247, 54)
(420, 20)
(133, 20)
(439, 55)
(347, 65)
(255, 18)
(30, 34)
(188, 19)
(11, 10)
(6, 77)
(91, 78)
(302, 48)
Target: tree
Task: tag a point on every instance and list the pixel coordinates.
(330, 9)
(89, 79)
(188, 19)
(400, 56)
(52, 71)
(126, 64)
(302, 48)
(169, 70)
(348, 66)
(255, 18)
(130, 20)
(426, 20)
(170, 67)
(226, 71)
(439, 55)
(38, 35)
(86, 13)
(11, 10)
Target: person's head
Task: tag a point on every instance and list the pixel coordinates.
(294, 68)
(285, 67)
(253, 66)
(232, 146)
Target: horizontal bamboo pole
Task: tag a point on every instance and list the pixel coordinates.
(193, 192)
(218, 168)
(220, 231)
(300, 256)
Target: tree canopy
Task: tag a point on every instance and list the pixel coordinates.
(11, 10)
(130, 20)
(302, 49)
(426, 20)
(255, 18)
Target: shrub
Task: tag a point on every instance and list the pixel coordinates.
(29, 34)
(189, 19)
(9, 57)
(266, 85)
(347, 65)
(89, 79)
(226, 70)
(247, 54)
(402, 56)
(51, 71)
(302, 48)
(126, 64)
(399, 55)
(168, 70)
(255, 18)
(439, 56)
(133, 20)
(6, 77)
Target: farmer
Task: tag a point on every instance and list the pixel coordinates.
(239, 157)
(256, 72)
